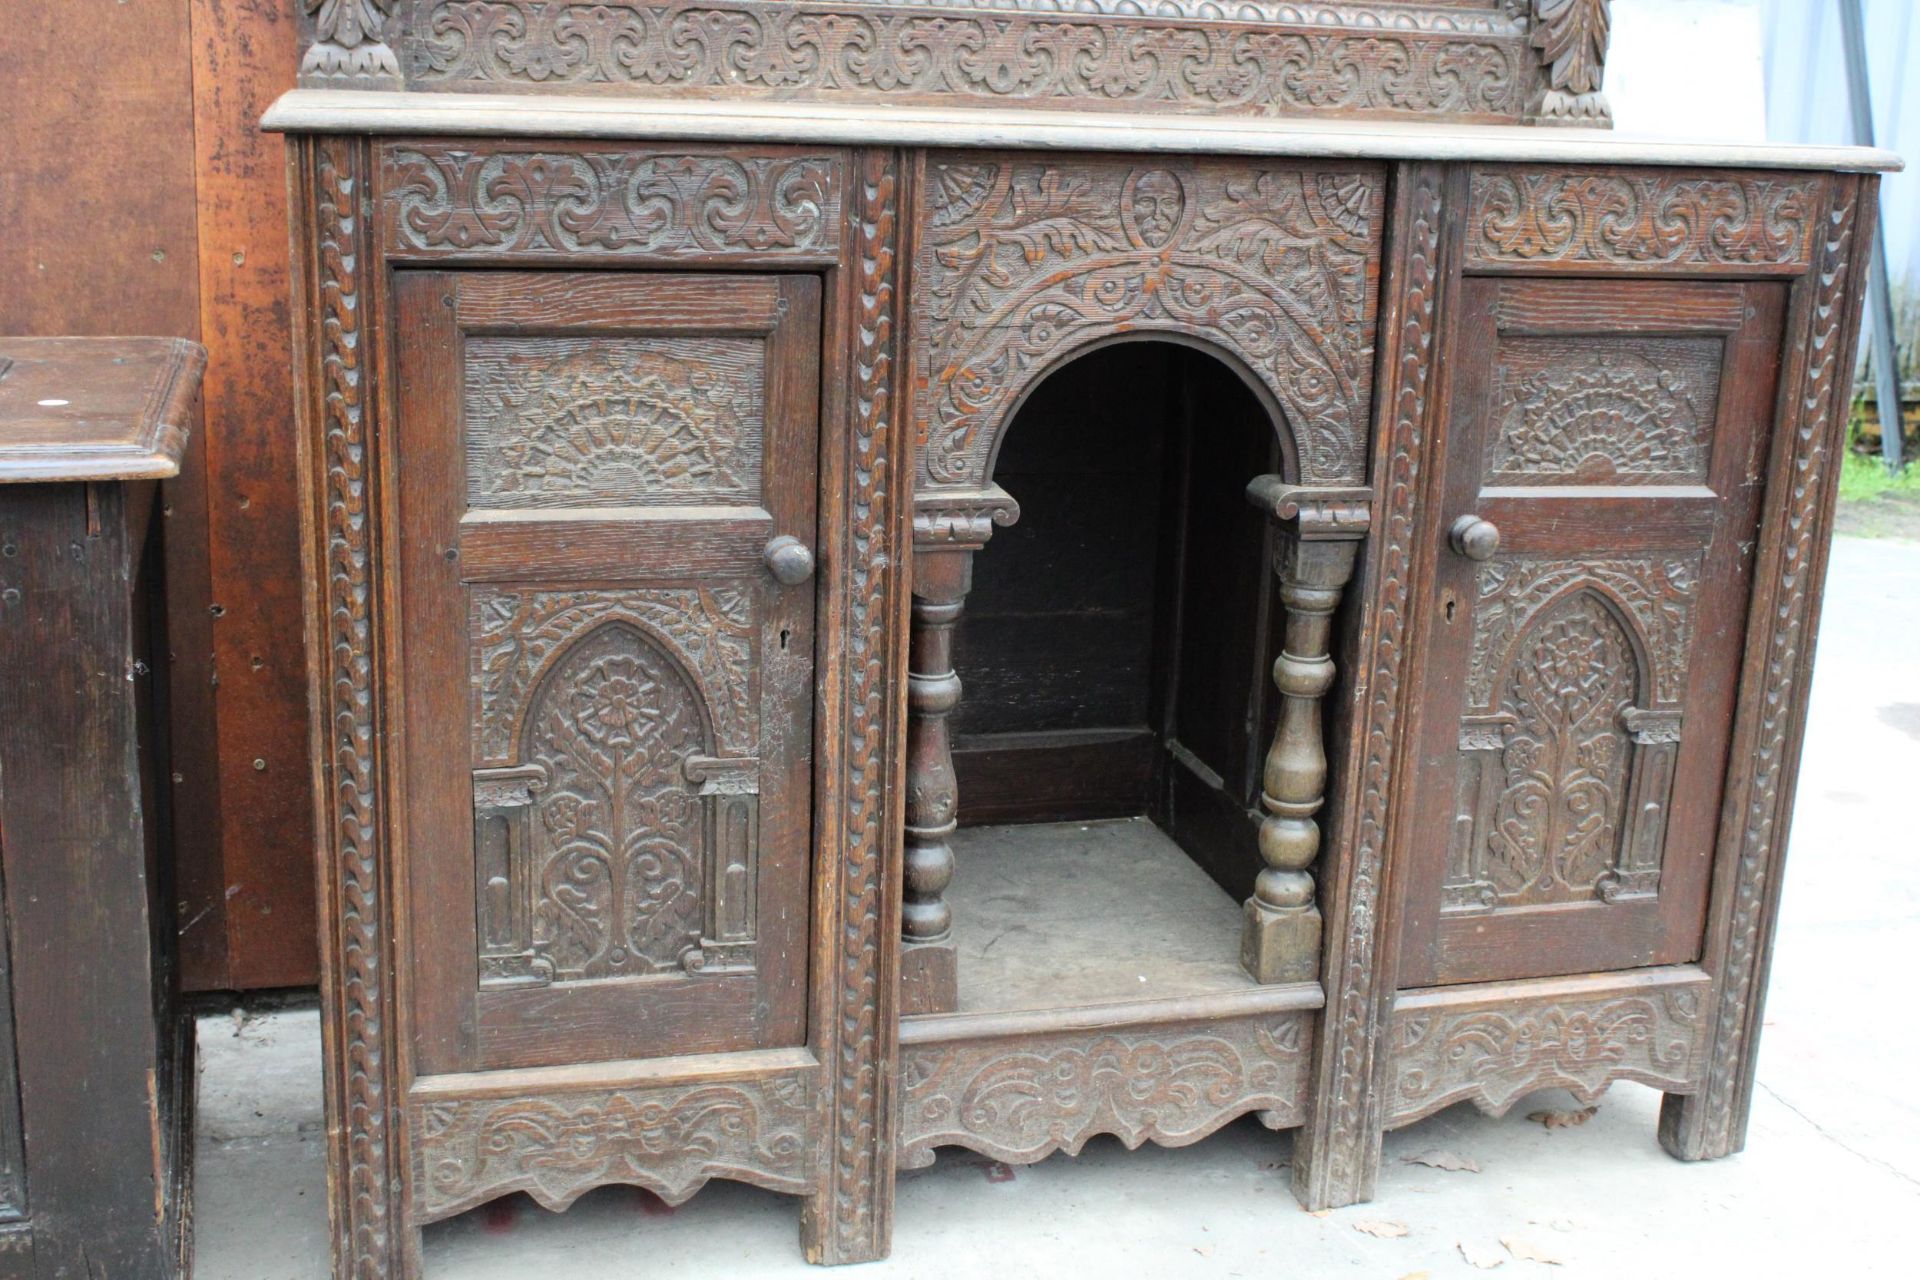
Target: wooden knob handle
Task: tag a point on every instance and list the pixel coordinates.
(1474, 538)
(789, 560)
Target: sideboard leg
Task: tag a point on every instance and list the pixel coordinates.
(928, 973)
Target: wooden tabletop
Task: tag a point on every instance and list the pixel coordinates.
(96, 408)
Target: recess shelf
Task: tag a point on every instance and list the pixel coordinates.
(1069, 913)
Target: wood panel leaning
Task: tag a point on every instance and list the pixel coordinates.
(1243, 597)
(96, 1061)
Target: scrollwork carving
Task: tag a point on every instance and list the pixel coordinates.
(1258, 58)
(1644, 219)
(1023, 1098)
(670, 1140)
(1024, 261)
(499, 200)
(618, 865)
(1494, 1052)
(1553, 828)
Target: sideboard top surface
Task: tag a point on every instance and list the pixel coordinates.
(350, 111)
(95, 408)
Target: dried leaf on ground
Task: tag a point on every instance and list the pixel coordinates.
(1417, 1275)
(1382, 1229)
(1483, 1256)
(1437, 1158)
(1563, 1119)
(1527, 1251)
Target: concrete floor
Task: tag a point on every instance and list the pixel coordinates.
(1829, 1185)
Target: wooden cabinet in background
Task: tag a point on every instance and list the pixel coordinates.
(96, 1056)
(834, 640)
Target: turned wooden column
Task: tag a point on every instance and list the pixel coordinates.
(948, 529)
(1316, 537)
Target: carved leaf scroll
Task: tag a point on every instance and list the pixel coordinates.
(1261, 57)
(350, 48)
(1646, 219)
(670, 1140)
(1024, 1098)
(1496, 1052)
(1571, 36)
(496, 199)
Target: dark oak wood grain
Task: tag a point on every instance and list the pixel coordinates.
(96, 1061)
(1257, 510)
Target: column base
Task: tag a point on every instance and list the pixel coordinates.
(929, 978)
(1281, 944)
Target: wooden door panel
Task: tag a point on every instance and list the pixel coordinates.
(597, 464)
(1581, 675)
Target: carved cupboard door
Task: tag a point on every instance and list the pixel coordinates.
(606, 534)
(1604, 457)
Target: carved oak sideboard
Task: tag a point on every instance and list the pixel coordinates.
(888, 576)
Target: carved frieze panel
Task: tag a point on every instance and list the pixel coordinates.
(670, 1139)
(1465, 1044)
(1021, 1098)
(1604, 410)
(499, 200)
(1579, 219)
(1467, 60)
(625, 422)
(1023, 261)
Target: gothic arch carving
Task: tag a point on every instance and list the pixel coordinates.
(618, 834)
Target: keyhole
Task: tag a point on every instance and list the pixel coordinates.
(1452, 605)
(786, 634)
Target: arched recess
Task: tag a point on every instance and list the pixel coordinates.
(1021, 260)
(1305, 536)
